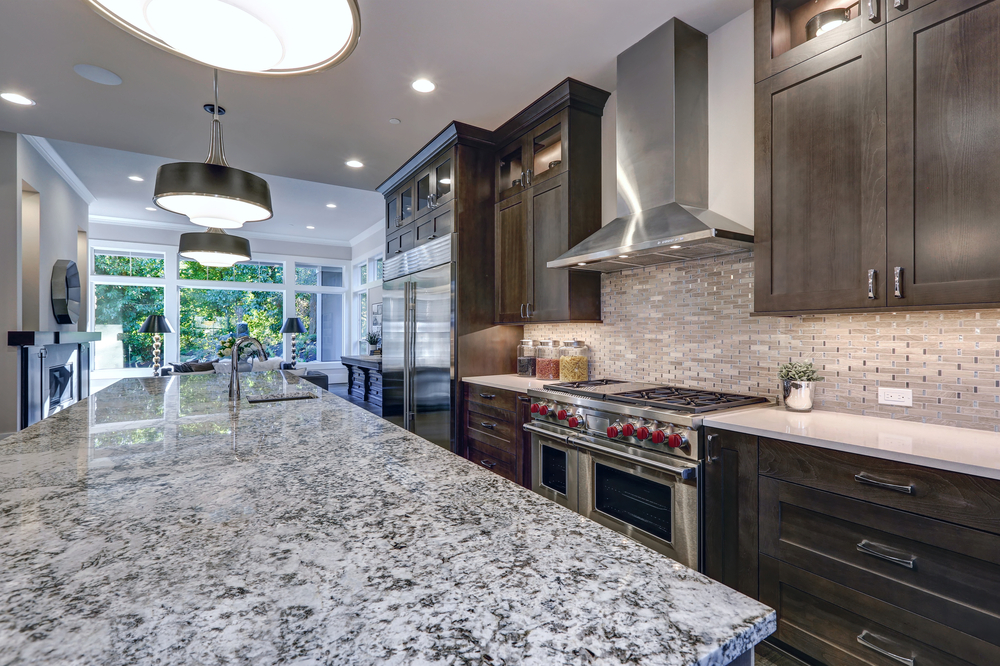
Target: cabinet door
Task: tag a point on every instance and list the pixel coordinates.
(548, 214)
(944, 153)
(510, 169)
(785, 33)
(443, 178)
(731, 482)
(391, 212)
(820, 190)
(404, 206)
(423, 187)
(437, 223)
(513, 260)
(547, 149)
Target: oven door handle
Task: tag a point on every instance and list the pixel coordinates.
(528, 427)
(683, 472)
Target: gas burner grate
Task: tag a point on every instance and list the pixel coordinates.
(694, 401)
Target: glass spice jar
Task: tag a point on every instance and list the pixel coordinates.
(547, 360)
(526, 358)
(574, 361)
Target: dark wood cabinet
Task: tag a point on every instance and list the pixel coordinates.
(548, 200)
(820, 191)
(437, 222)
(860, 556)
(944, 154)
(493, 433)
(399, 207)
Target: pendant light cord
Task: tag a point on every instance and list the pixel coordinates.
(215, 109)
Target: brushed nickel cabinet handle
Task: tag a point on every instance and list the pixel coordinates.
(873, 10)
(876, 550)
(872, 274)
(897, 275)
(898, 4)
(528, 184)
(527, 309)
(868, 481)
(522, 311)
(863, 639)
(714, 452)
(487, 396)
(489, 426)
(487, 464)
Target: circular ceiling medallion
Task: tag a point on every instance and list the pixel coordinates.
(249, 36)
(66, 292)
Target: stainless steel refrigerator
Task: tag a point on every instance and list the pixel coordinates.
(418, 340)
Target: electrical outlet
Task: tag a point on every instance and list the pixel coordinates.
(895, 396)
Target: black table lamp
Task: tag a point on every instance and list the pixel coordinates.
(293, 325)
(157, 325)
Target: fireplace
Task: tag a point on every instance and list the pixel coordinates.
(53, 371)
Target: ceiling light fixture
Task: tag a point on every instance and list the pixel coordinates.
(15, 98)
(149, 208)
(214, 248)
(423, 85)
(331, 205)
(137, 179)
(308, 227)
(354, 164)
(394, 121)
(250, 36)
(212, 193)
(98, 75)
(826, 21)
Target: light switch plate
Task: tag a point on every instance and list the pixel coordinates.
(895, 396)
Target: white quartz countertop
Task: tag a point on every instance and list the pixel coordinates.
(155, 523)
(510, 382)
(942, 447)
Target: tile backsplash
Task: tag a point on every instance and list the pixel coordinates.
(691, 324)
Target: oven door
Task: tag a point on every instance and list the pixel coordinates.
(553, 465)
(652, 501)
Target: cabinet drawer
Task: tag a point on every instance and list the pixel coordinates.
(399, 244)
(486, 456)
(947, 573)
(498, 398)
(436, 224)
(489, 423)
(828, 622)
(501, 446)
(957, 498)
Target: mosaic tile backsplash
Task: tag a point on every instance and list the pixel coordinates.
(691, 324)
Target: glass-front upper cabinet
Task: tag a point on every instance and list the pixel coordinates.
(399, 206)
(434, 184)
(546, 142)
(444, 179)
(510, 170)
(792, 31)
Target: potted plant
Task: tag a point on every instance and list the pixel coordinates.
(798, 385)
(373, 341)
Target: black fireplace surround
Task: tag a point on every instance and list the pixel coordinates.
(53, 371)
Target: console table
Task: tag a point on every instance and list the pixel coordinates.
(364, 377)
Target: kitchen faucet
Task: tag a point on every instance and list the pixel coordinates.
(234, 376)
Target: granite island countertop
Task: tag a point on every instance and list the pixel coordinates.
(154, 523)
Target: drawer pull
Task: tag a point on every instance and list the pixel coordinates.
(487, 396)
(868, 481)
(876, 550)
(863, 639)
(491, 426)
(487, 464)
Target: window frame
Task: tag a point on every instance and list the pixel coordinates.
(357, 288)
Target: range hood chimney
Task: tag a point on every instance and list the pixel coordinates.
(662, 138)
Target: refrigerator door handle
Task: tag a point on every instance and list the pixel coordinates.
(406, 355)
(411, 362)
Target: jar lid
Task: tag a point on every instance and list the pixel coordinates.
(545, 343)
(572, 343)
(527, 343)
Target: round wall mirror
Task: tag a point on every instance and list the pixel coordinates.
(66, 292)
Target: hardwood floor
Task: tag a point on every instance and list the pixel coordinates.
(341, 391)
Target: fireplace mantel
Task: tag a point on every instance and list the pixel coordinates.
(41, 338)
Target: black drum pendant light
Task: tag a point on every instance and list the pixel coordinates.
(212, 193)
(214, 248)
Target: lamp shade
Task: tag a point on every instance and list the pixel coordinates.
(156, 324)
(214, 248)
(212, 195)
(293, 325)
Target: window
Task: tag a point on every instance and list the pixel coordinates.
(323, 316)
(119, 312)
(254, 272)
(367, 297)
(208, 321)
(321, 276)
(128, 264)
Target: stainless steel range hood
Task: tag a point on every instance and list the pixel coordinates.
(662, 139)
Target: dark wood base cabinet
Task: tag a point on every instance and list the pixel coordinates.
(493, 436)
(867, 561)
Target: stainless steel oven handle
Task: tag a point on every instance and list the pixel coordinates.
(546, 433)
(683, 472)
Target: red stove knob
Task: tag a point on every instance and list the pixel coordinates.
(628, 430)
(675, 441)
(573, 422)
(659, 437)
(614, 432)
(562, 415)
(535, 407)
(543, 410)
(642, 433)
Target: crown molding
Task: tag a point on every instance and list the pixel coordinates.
(368, 233)
(56, 161)
(185, 228)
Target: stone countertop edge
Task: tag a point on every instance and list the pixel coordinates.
(514, 383)
(947, 448)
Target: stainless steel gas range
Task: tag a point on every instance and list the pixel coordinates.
(627, 455)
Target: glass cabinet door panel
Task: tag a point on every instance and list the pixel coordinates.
(392, 212)
(406, 203)
(424, 193)
(442, 175)
(547, 150)
(510, 171)
(795, 22)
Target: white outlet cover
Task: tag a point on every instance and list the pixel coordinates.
(895, 396)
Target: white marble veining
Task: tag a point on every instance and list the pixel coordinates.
(153, 523)
(510, 382)
(962, 450)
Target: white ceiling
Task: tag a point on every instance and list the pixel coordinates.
(488, 59)
(297, 203)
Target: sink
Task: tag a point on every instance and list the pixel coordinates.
(282, 397)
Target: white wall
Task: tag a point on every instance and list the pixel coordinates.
(10, 279)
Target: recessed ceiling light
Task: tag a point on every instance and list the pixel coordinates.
(423, 85)
(14, 98)
(98, 75)
(395, 121)
(331, 205)
(150, 208)
(310, 227)
(260, 36)
(675, 247)
(137, 179)
(354, 164)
